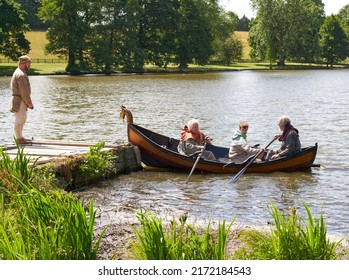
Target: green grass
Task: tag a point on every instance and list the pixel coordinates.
(178, 241)
(37, 41)
(290, 238)
(38, 220)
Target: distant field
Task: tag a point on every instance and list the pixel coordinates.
(38, 41)
(243, 35)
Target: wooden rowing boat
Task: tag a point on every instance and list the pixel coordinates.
(160, 151)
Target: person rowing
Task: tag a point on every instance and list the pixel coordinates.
(192, 141)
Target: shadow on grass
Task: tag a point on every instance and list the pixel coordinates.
(6, 70)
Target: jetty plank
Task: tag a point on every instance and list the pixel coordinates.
(48, 151)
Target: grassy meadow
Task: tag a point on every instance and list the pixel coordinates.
(42, 63)
(243, 36)
(38, 41)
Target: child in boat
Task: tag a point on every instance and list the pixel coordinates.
(240, 150)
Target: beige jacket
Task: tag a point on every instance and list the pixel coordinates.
(240, 150)
(21, 89)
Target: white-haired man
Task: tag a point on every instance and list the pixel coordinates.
(289, 138)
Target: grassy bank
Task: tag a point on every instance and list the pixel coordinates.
(290, 236)
(6, 69)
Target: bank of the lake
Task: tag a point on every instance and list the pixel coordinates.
(41, 68)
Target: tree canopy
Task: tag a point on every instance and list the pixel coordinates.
(12, 30)
(243, 24)
(286, 30)
(333, 41)
(130, 33)
(31, 7)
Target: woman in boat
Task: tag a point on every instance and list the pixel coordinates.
(289, 138)
(192, 141)
(240, 150)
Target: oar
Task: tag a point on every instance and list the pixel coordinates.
(242, 171)
(196, 162)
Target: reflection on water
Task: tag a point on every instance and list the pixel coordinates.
(87, 109)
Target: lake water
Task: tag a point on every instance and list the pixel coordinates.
(87, 109)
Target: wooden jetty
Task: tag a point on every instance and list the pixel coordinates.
(60, 155)
(50, 151)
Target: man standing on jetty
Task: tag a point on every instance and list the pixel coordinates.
(21, 100)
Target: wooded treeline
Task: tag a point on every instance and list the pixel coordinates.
(128, 34)
(297, 30)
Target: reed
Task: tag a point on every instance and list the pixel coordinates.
(48, 227)
(41, 223)
(12, 171)
(290, 238)
(22, 169)
(178, 241)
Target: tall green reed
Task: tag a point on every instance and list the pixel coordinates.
(41, 223)
(290, 238)
(19, 167)
(50, 227)
(179, 240)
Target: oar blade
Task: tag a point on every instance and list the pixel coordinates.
(233, 180)
(196, 162)
(238, 175)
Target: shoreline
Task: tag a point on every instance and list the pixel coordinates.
(58, 69)
(117, 241)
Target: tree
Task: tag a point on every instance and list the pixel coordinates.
(193, 36)
(243, 24)
(70, 26)
(223, 25)
(286, 30)
(231, 49)
(32, 7)
(12, 30)
(114, 35)
(306, 18)
(343, 16)
(333, 41)
(129, 33)
(160, 21)
(267, 34)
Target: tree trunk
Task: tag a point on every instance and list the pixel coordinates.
(281, 63)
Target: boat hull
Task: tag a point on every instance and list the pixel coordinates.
(161, 152)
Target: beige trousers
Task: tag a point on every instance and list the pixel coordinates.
(20, 119)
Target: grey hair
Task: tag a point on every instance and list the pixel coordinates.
(286, 119)
(192, 122)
